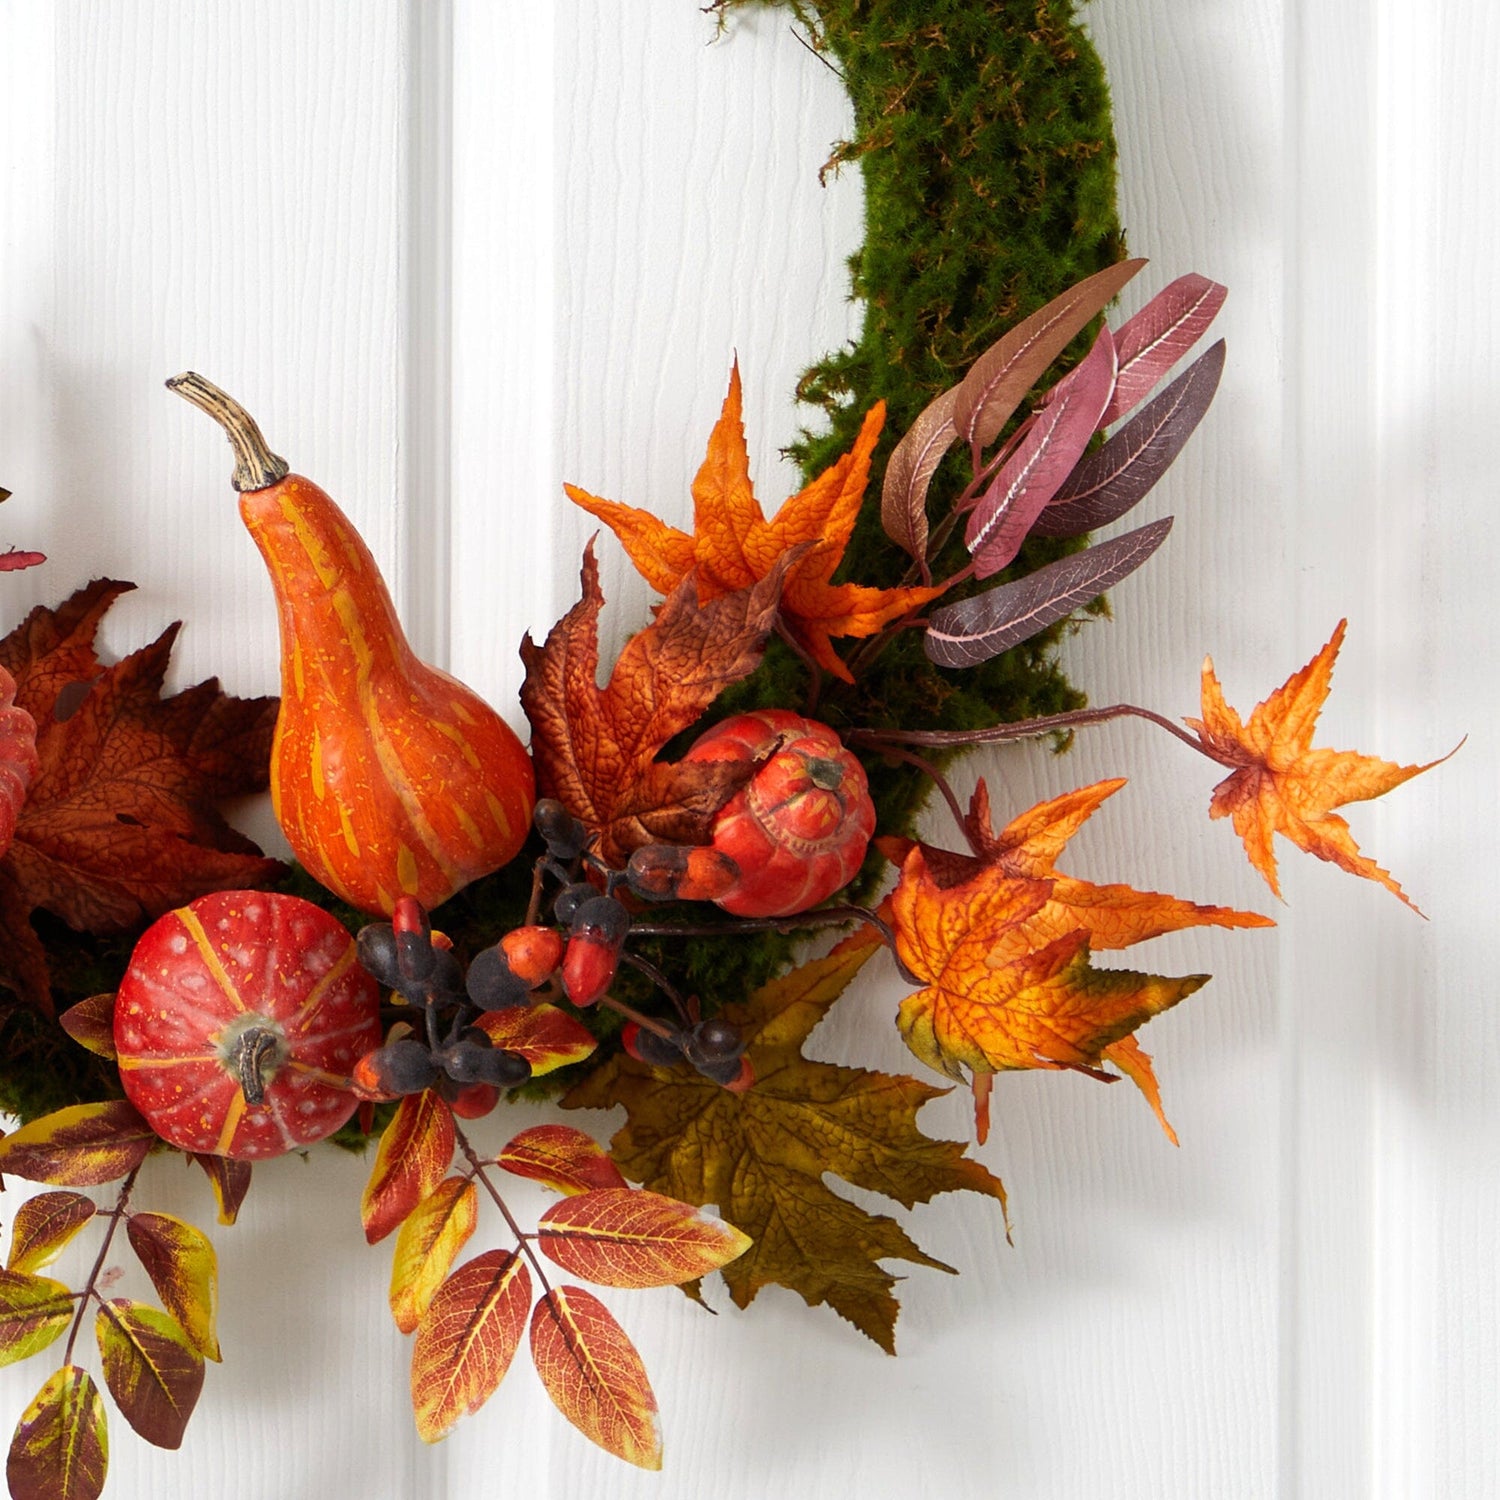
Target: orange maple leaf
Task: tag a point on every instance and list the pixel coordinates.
(733, 546)
(1282, 784)
(989, 1008)
(1116, 916)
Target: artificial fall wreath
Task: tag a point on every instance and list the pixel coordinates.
(613, 911)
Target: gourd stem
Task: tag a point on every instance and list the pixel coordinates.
(255, 466)
(253, 1049)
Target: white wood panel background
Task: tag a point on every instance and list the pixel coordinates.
(455, 251)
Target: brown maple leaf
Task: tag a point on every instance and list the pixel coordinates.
(994, 999)
(733, 545)
(595, 748)
(120, 822)
(1281, 783)
(761, 1156)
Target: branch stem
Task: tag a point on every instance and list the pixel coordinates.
(1026, 729)
(114, 1216)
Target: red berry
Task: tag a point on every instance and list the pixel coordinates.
(598, 934)
(475, 1101)
(533, 953)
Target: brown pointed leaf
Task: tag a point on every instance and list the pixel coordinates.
(1109, 481)
(430, 1239)
(594, 1375)
(628, 1237)
(91, 1023)
(545, 1035)
(1159, 335)
(467, 1339)
(184, 1270)
(151, 1368)
(570, 1160)
(762, 1156)
(60, 1450)
(34, 1310)
(121, 822)
(909, 470)
(45, 1224)
(1002, 375)
(230, 1181)
(411, 1160)
(595, 748)
(981, 627)
(83, 1145)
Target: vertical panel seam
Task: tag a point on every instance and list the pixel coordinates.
(427, 397)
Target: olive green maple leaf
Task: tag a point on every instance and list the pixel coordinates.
(761, 1155)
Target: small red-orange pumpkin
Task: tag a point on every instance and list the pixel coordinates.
(238, 1022)
(799, 829)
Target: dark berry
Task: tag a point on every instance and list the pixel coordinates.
(472, 1059)
(734, 1073)
(570, 898)
(376, 944)
(677, 872)
(565, 836)
(403, 1067)
(491, 984)
(713, 1041)
(651, 1047)
(447, 977)
(601, 919)
(593, 951)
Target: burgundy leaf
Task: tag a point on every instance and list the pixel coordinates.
(1108, 482)
(974, 630)
(1032, 475)
(909, 470)
(1159, 335)
(1003, 374)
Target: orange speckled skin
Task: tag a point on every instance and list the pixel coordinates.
(388, 777)
(198, 977)
(796, 837)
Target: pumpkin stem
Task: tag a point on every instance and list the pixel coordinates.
(254, 1055)
(256, 467)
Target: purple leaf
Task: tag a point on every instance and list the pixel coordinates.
(1159, 335)
(974, 630)
(1108, 482)
(1003, 374)
(908, 472)
(1032, 475)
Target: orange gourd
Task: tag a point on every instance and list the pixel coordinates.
(388, 777)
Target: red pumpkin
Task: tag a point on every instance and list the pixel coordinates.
(238, 1022)
(799, 829)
